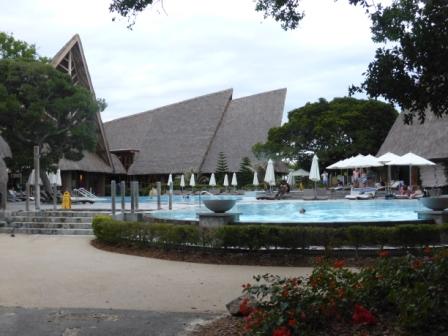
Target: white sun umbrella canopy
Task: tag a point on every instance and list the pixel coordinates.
(269, 178)
(314, 172)
(212, 181)
(226, 181)
(234, 180)
(182, 181)
(55, 178)
(170, 179)
(192, 181)
(410, 159)
(31, 179)
(255, 180)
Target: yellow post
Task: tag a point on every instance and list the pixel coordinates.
(66, 201)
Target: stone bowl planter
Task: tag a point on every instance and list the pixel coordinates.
(436, 203)
(219, 205)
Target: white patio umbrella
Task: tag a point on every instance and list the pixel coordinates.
(212, 181)
(255, 180)
(226, 181)
(182, 182)
(410, 159)
(269, 178)
(314, 172)
(234, 181)
(31, 179)
(192, 181)
(55, 178)
(170, 179)
(290, 179)
(300, 172)
(385, 158)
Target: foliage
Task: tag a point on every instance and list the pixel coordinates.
(255, 237)
(245, 175)
(409, 294)
(40, 106)
(334, 130)
(13, 49)
(222, 168)
(410, 69)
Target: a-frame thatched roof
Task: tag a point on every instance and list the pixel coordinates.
(429, 140)
(71, 60)
(190, 134)
(246, 122)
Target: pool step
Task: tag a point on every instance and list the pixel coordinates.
(50, 222)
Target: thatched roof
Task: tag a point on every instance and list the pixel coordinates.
(173, 138)
(90, 163)
(429, 140)
(246, 122)
(190, 134)
(71, 60)
(5, 151)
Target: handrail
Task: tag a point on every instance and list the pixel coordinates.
(83, 192)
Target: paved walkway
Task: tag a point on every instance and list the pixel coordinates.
(66, 271)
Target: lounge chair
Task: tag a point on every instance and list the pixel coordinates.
(361, 194)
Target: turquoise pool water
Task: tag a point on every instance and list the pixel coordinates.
(316, 211)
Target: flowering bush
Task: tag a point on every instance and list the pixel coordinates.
(407, 294)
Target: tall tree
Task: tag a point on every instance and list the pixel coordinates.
(11, 48)
(410, 69)
(245, 175)
(222, 167)
(40, 106)
(334, 130)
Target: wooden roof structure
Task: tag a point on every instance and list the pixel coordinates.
(71, 60)
(189, 135)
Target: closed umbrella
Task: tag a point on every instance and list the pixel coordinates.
(290, 179)
(226, 181)
(31, 179)
(314, 173)
(212, 181)
(170, 179)
(192, 181)
(410, 159)
(255, 180)
(182, 182)
(234, 181)
(269, 178)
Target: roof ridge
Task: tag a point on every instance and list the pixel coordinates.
(261, 93)
(230, 91)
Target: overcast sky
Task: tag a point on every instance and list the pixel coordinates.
(195, 47)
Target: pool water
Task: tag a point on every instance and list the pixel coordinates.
(315, 211)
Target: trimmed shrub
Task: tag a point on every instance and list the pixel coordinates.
(256, 237)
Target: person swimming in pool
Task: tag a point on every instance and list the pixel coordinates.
(302, 211)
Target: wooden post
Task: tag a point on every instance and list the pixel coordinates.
(54, 187)
(159, 191)
(113, 193)
(170, 197)
(132, 197)
(123, 195)
(36, 178)
(27, 194)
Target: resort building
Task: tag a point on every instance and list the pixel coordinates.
(188, 136)
(429, 140)
(178, 138)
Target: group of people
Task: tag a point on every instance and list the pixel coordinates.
(409, 192)
(359, 178)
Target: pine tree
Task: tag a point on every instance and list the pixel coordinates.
(245, 175)
(221, 167)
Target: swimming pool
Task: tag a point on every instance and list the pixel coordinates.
(315, 211)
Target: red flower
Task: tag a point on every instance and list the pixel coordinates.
(281, 331)
(383, 253)
(417, 264)
(319, 260)
(245, 307)
(362, 315)
(339, 264)
(292, 323)
(427, 250)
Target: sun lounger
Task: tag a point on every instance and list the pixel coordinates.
(361, 194)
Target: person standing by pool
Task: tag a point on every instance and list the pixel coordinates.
(325, 178)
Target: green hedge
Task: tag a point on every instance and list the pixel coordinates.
(255, 237)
